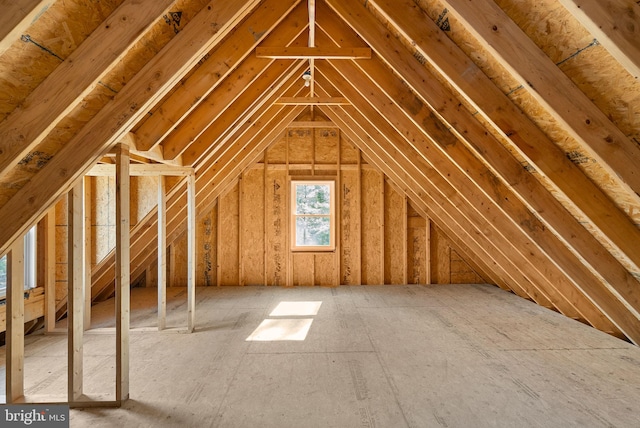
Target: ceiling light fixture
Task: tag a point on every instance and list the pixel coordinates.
(306, 76)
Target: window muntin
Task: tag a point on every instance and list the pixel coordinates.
(312, 215)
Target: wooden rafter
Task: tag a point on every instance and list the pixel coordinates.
(551, 87)
(16, 17)
(533, 144)
(120, 114)
(54, 98)
(570, 299)
(556, 218)
(252, 78)
(219, 65)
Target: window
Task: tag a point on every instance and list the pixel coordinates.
(29, 264)
(312, 215)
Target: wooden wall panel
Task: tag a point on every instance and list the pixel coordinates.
(349, 155)
(350, 228)
(252, 227)
(228, 237)
(324, 269)
(300, 146)
(245, 238)
(372, 244)
(395, 236)
(461, 271)
(440, 257)
(303, 269)
(276, 222)
(206, 249)
(326, 146)
(417, 247)
(177, 260)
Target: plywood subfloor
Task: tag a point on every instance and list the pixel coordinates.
(374, 356)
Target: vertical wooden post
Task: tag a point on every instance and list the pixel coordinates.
(14, 376)
(75, 293)
(405, 230)
(191, 250)
(382, 246)
(49, 279)
(358, 203)
(87, 252)
(241, 275)
(162, 253)
(123, 282)
(338, 213)
(427, 251)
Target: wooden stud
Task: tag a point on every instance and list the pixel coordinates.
(240, 228)
(123, 280)
(191, 252)
(49, 262)
(162, 253)
(87, 251)
(75, 291)
(428, 251)
(14, 375)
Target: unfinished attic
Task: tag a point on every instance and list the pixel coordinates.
(321, 213)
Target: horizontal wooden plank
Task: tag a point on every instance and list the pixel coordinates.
(148, 169)
(303, 101)
(299, 52)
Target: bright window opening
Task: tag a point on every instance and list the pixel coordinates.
(29, 264)
(312, 215)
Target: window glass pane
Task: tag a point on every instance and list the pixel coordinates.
(3, 276)
(313, 231)
(313, 199)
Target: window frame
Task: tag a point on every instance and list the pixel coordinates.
(316, 180)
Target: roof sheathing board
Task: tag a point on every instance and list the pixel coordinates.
(151, 43)
(564, 40)
(52, 37)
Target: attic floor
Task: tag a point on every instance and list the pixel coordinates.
(374, 356)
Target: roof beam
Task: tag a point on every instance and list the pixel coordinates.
(294, 52)
(16, 17)
(616, 26)
(550, 86)
(64, 89)
(219, 64)
(317, 101)
(531, 142)
(156, 78)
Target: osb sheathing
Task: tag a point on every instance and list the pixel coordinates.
(34, 64)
